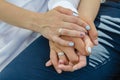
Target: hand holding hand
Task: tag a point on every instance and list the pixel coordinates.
(70, 58)
(54, 24)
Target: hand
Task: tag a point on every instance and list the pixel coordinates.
(70, 56)
(70, 67)
(59, 67)
(54, 24)
(87, 23)
(92, 31)
(82, 59)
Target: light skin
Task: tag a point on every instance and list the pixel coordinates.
(75, 60)
(87, 11)
(48, 24)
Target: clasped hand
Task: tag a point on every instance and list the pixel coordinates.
(71, 58)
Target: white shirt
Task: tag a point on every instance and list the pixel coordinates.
(70, 4)
(14, 40)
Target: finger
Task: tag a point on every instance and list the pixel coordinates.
(70, 54)
(66, 67)
(54, 60)
(72, 26)
(72, 33)
(93, 34)
(75, 20)
(64, 10)
(82, 63)
(62, 41)
(61, 56)
(72, 18)
(80, 45)
(88, 44)
(48, 63)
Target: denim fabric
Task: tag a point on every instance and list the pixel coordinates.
(103, 63)
(108, 26)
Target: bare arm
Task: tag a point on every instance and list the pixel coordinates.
(89, 8)
(48, 24)
(15, 15)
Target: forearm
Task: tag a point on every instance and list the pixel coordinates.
(15, 15)
(89, 9)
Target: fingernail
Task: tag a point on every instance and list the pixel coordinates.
(82, 34)
(71, 44)
(59, 71)
(89, 50)
(87, 27)
(75, 14)
(96, 42)
(47, 64)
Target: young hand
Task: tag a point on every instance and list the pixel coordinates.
(54, 24)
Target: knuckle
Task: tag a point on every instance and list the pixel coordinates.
(55, 65)
(95, 34)
(53, 38)
(75, 20)
(72, 26)
(85, 53)
(62, 42)
(83, 23)
(60, 16)
(65, 32)
(69, 11)
(75, 60)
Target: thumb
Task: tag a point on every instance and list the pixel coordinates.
(88, 44)
(93, 33)
(48, 63)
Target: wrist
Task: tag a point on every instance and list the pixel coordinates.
(86, 17)
(35, 22)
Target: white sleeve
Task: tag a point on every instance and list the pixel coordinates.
(70, 4)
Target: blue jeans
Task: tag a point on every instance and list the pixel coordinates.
(103, 63)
